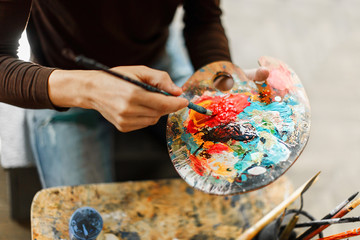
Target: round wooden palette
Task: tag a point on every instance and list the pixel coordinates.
(256, 132)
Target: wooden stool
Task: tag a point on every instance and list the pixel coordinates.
(162, 209)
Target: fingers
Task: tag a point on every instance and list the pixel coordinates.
(162, 104)
(156, 78)
(258, 75)
(129, 123)
(159, 103)
(148, 112)
(129, 107)
(261, 75)
(136, 108)
(135, 123)
(128, 117)
(136, 101)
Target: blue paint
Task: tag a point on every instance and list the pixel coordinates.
(234, 199)
(266, 162)
(85, 223)
(250, 146)
(190, 191)
(282, 108)
(278, 153)
(242, 165)
(243, 177)
(191, 145)
(215, 226)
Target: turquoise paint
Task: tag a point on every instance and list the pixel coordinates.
(282, 108)
(242, 165)
(243, 177)
(190, 143)
(277, 153)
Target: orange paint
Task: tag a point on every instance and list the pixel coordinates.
(197, 165)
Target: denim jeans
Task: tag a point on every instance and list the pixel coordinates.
(77, 146)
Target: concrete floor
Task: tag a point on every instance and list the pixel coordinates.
(320, 40)
(10, 229)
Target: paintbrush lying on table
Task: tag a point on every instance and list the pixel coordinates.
(94, 65)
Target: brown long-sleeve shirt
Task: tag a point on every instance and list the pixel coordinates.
(115, 32)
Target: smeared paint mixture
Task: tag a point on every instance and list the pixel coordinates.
(239, 136)
(255, 130)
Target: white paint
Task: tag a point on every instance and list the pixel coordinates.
(257, 170)
(278, 98)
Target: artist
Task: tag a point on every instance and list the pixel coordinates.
(70, 139)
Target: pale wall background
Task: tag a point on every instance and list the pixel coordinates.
(320, 40)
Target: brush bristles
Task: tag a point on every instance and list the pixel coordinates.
(209, 112)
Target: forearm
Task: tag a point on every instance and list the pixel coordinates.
(72, 88)
(24, 84)
(21, 83)
(207, 45)
(204, 34)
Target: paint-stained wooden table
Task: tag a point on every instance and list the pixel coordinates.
(163, 209)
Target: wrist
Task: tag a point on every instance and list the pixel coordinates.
(67, 88)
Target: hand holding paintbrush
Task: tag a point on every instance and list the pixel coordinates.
(124, 104)
(92, 64)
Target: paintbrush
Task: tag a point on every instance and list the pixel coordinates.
(342, 209)
(341, 206)
(256, 228)
(328, 221)
(351, 233)
(291, 224)
(285, 234)
(94, 65)
(341, 213)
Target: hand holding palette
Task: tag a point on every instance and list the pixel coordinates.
(256, 132)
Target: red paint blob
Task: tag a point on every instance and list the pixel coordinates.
(225, 108)
(217, 148)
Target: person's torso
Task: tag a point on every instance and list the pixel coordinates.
(114, 32)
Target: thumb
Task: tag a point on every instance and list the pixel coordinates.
(257, 74)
